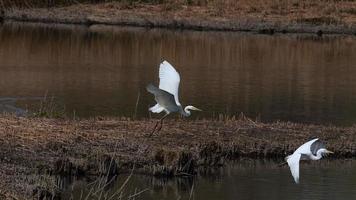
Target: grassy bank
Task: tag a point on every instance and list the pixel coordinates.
(33, 147)
(267, 16)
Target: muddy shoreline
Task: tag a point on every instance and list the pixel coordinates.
(254, 26)
(35, 147)
(191, 18)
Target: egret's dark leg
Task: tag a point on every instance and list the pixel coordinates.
(160, 127)
(158, 122)
(154, 128)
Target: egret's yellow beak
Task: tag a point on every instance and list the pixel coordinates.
(327, 151)
(197, 109)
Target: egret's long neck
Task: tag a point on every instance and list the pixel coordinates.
(318, 155)
(186, 112)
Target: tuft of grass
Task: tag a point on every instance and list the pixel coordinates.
(49, 108)
(98, 189)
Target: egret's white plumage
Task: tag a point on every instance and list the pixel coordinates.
(312, 150)
(156, 108)
(293, 163)
(166, 95)
(169, 79)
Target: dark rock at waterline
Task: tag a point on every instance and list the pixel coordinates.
(89, 22)
(319, 33)
(268, 31)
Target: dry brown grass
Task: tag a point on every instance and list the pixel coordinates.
(33, 146)
(219, 14)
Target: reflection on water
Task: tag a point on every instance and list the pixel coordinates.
(102, 71)
(8, 105)
(248, 180)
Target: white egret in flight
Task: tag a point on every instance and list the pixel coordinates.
(166, 95)
(312, 150)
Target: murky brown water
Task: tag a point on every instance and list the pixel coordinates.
(245, 180)
(101, 71)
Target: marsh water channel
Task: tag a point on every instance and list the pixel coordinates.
(243, 180)
(102, 71)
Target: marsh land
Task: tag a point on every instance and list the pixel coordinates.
(87, 68)
(269, 16)
(35, 147)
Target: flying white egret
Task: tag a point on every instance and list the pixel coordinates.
(312, 150)
(166, 95)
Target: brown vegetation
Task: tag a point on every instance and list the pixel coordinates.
(333, 16)
(35, 147)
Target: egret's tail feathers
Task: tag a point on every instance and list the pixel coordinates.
(156, 108)
(293, 162)
(151, 88)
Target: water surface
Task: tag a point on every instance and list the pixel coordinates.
(247, 180)
(100, 70)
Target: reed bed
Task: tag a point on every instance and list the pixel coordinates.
(97, 146)
(53, 3)
(263, 16)
(331, 8)
(282, 6)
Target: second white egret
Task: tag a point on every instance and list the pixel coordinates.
(312, 150)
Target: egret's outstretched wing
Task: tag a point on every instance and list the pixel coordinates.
(305, 148)
(293, 162)
(169, 79)
(164, 99)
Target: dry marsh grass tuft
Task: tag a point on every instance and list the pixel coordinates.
(50, 108)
